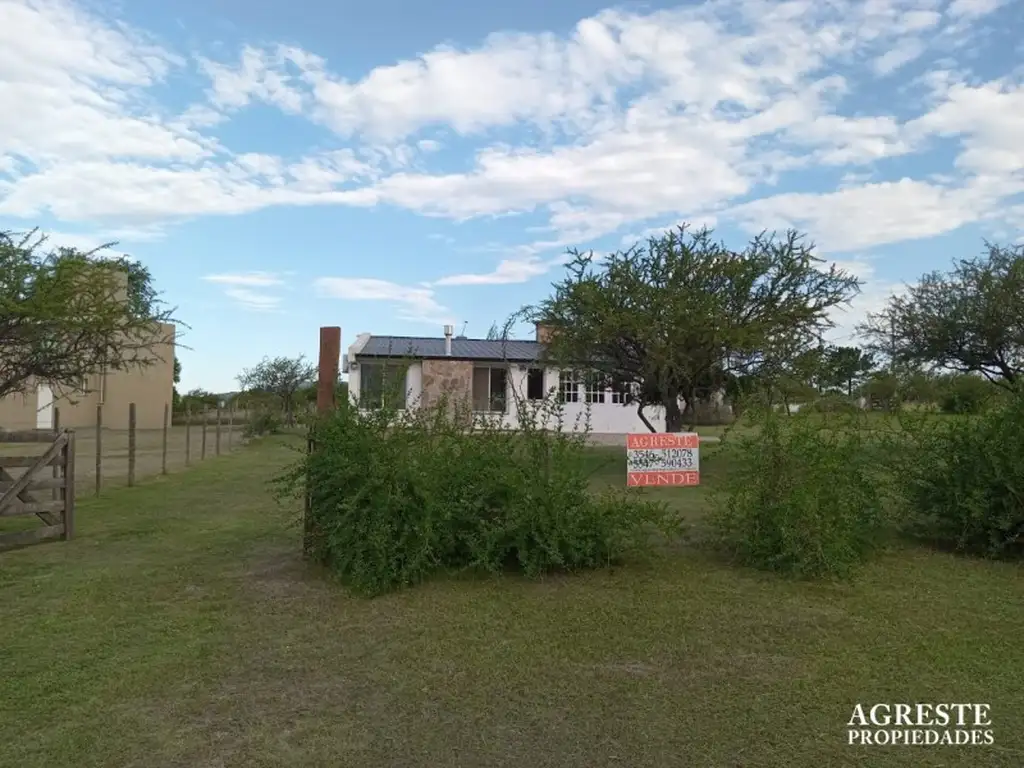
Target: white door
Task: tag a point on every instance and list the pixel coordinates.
(44, 407)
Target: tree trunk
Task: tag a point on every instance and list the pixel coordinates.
(673, 415)
(643, 418)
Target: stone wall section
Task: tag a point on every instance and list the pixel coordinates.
(451, 378)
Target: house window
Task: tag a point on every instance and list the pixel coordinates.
(594, 387)
(568, 387)
(622, 392)
(489, 389)
(535, 384)
(382, 384)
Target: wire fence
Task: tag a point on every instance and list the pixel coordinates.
(106, 458)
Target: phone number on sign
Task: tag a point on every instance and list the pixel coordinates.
(663, 458)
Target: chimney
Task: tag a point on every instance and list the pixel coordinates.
(448, 331)
(544, 332)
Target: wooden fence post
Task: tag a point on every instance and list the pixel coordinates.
(99, 448)
(231, 424)
(68, 491)
(188, 436)
(167, 422)
(56, 469)
(131, 444)
(216, 439)
(202, 448)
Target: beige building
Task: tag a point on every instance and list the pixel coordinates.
(150, 387)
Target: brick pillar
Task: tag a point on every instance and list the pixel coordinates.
(330, 354)
(544, 333)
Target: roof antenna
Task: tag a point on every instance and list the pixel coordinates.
(462, 335)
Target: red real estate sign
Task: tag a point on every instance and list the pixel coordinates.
(658, 459)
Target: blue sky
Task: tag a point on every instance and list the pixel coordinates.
(393, 166)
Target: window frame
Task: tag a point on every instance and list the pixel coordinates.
(622, 392)
(568, 383)
(492, 397)
(377, 400)
(595, 385)
(542, 393)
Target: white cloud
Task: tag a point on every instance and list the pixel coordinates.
(241, 288)
(247, 279)
(253, 299)
(65, 80)
(973, 8)
(507, 271)
(416, 304)
(860, 217)
(988, 119)
(904, 53)
(632, 117)
(257, 77)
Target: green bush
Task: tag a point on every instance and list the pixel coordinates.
(395, 496)
(832, 403)
(965, 394)
(262, 421)
(961, 480)
(802, 497)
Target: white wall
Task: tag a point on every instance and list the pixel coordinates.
(604, 418)
(44, 407)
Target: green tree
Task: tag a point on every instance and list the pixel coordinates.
(64, 318)
(309, 393)
(175, 397)
(968, 320)
(677, 316)
(846, 368)
(920, 387)
(197, 400)
(282, 377)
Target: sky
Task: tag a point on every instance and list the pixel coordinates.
(394, 166)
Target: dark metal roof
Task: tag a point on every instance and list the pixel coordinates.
(462, 349)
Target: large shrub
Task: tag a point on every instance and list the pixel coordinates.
(263, 421)
(961, 480)
(395, 496)
(965, 394)
(801, 496)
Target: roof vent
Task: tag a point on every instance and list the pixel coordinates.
(448, 330)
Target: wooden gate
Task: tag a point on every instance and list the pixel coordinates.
(45, 489)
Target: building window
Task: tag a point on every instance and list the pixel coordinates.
(568, 387)
(535, 384)
(382, 384)
(622, 392)
(594, 387)
(489, 389)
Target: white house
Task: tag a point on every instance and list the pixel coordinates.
(486, 372)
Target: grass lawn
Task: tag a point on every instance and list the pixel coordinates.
(181, 628)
